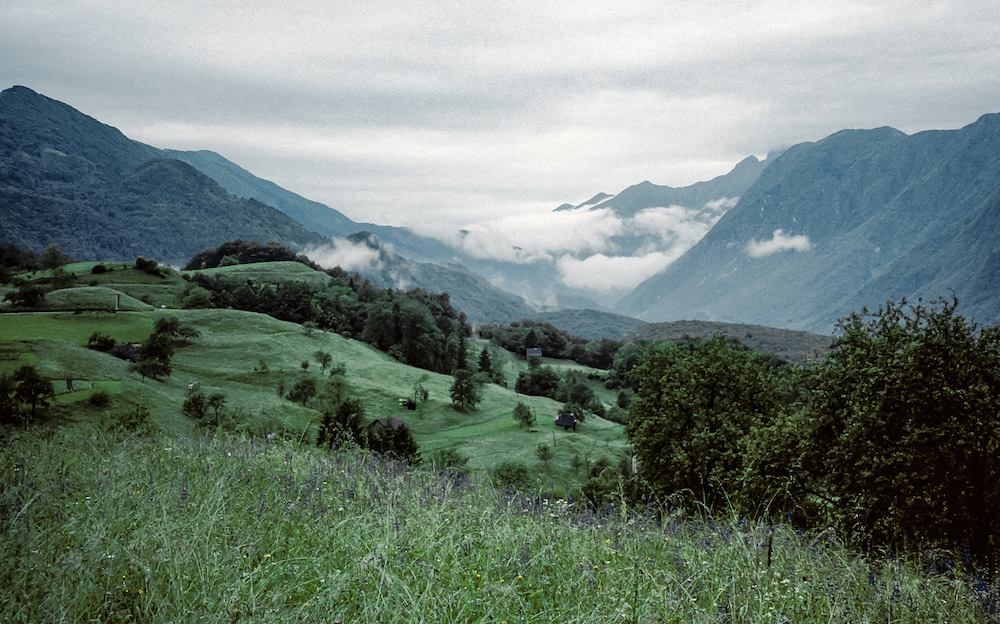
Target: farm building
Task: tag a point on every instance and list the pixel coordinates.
(382, 426)
(566, 420)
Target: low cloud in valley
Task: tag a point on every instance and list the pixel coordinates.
(596, 249)
(352, 257)
(779, 242)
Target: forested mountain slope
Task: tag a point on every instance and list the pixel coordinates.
(69, 179)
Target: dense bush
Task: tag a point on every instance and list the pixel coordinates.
(27, 295)
(99, 341)
(903, 429)
(148, 265)
(693, 419)
(511, 474)
(892, 439)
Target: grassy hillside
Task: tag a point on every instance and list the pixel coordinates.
(102, 525)
(104, 517)
(248, 357)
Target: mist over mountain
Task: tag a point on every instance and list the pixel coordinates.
(590, 254)
(68, 178)
(847, 222)
(795, 241)
(582, 256)
(364, 253)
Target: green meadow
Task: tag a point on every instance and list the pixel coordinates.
(117, 507)
(248, 357)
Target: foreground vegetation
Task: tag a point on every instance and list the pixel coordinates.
(104, 524)
(889, 445)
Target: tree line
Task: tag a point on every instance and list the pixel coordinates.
(893, 439)
(416, 327)
(519, 336)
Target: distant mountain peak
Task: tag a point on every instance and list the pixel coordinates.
(367, 239)
(884, 216)
(596, 199)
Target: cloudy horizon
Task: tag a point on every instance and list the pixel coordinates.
(445, 117)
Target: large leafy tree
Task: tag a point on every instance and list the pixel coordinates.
(154, 356)
(22, 393)
(53, 257)
(464, 390)
(904, 425)
(695, 416)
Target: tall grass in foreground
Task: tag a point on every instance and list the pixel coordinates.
(96, 526)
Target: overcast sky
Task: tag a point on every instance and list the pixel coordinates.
(438, 114)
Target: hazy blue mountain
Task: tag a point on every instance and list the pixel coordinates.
(240, 182)
(648, 195)
(315, 216)
(864, 216)
(67, 178)
(481, 301)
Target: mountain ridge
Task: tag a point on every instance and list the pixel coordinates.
(68, 178)
(875, 214)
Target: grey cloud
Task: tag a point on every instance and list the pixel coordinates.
(779, 242)
(439, 115)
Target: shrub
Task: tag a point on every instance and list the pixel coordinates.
(523, 415)
(101, 398)
(512, 474)
(100, 341)
(450, 461)
(148, 265)
(195, 406)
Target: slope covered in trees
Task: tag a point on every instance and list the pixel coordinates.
(415, 327)
(67, 178)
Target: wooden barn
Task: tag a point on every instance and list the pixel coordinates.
(566, 420)
(382, 426)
